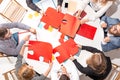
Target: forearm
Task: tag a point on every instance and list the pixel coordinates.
(91, 49)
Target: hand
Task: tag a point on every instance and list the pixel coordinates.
(107, 39)
(104, 25)
(42, 12)
(59, 8)
(27, 37)
(71, 58)
(84, 21)
(32, 30)
(64, 71)
(77, 14)
(50, 64)
(80, 46)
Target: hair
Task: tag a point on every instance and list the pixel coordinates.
(103, 3)
(26, 74)
(115, 34)
(3, 32)
(64, 77)
(98, 64)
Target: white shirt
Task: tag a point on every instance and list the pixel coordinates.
(97, 7)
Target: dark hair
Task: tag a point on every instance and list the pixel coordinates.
(64, 77)
(27, 74)
(115, 34)
(3, 32)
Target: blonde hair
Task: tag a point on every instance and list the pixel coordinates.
(98, 63)
(103, 2)
(25, 73)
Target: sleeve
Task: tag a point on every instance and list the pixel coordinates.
(12, 51)
(103, 9)
(15, 25)
(113, 44)
(39, 77)
(91, 49)
(59, 2)
(115, 40)
(32, 5)
(18, 62)
(110, 21)
(82, 4)
(82, 69)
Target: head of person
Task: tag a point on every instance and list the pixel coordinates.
(115, 30)
(97, 62)
(25, 72)
(64, 77)
(103, 2)
(5, 33)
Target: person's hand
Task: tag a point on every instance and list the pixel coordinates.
(59, 8)
(107, 39)
(32, 30)
(64, 71)
(71, 58)
(84, 21)
(27, 37)
(103, 25)
(80, 46)
(77, 14)
(50, 64)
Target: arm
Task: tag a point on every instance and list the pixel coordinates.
(114, 43)
(43, 76)
(103, 9)
(48, 70)
(19, 59)
(91, 49)
(11, 50)
(82, 69)
(109, 21)
(15, 25)
(32, 5)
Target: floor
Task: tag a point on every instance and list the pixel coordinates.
(7, 64)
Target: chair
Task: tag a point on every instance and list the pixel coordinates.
(4, 55)
(10, 75)
(13, 11)
(115, 73)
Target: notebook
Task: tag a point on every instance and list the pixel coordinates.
(40, 50)
(87, 31)
(65, 50)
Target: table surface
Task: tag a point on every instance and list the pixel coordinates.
(41, 67)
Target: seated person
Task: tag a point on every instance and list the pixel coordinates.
(99, 6)
(63, 75)
(98, 65)
(66, 71)
(111, 28)
(31, 4)
(26, 72)
(9, 43)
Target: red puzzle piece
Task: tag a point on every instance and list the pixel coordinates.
(43, 49)
(87, 31)
(70, 25)
(65, 50)
(52, 17)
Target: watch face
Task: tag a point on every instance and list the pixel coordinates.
(66, 5)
